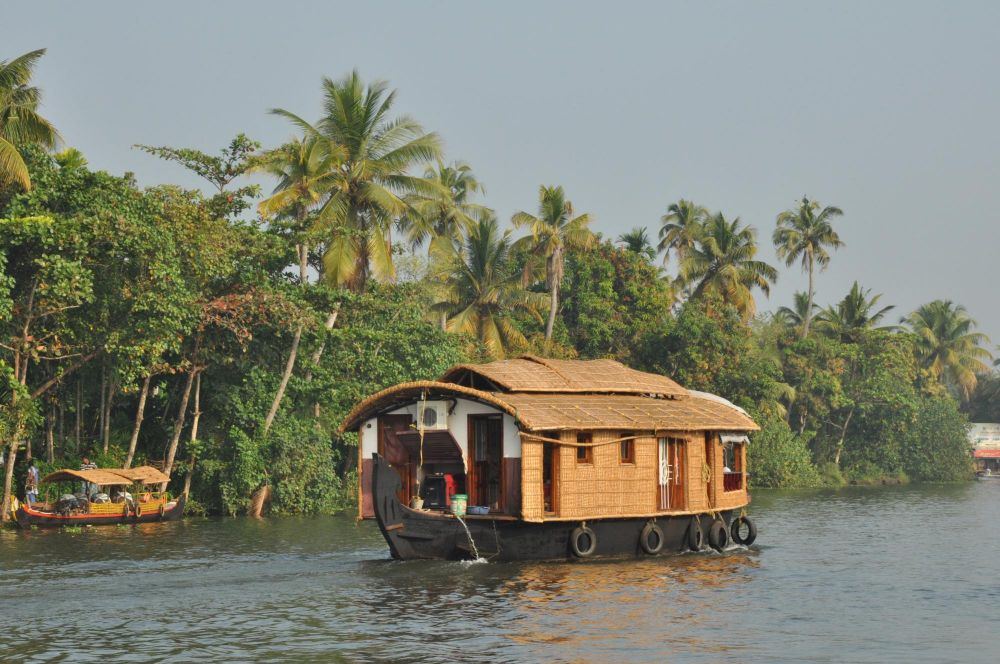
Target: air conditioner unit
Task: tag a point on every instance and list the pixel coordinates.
(433, 415)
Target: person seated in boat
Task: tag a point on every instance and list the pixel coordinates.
(31, 485)
(121, 496)
(88, 488)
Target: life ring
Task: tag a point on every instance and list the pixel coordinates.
(695, 537)
(583, 541)
(736, 531)
(161, 510)
(138, 511)
(651, 540)
(718, 536)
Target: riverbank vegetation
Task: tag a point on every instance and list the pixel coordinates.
(225, 334)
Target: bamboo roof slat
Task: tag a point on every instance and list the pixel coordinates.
(566, 411)
(141, 474)
(625, 412)
(95, 476)
(109, 476)
(534, 374)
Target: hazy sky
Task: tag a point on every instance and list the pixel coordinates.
(889, 110)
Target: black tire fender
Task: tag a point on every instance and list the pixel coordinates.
(583, 541)
(651, 530)
(735, 531)
(718, 535)
(695, 537)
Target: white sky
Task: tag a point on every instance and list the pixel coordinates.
(889, 110)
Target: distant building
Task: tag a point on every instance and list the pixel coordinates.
(984, 437)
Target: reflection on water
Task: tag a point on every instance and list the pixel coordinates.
(894, 574)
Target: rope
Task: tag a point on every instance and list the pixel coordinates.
(420, 424)
(567, 443)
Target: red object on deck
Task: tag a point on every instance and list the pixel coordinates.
(449, 488)
(986, 454)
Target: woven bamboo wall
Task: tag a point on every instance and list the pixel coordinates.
(607, 486)
(532, 502)
(697, 493)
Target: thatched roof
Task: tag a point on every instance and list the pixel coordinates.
(539, 412)
(98, 476)
(625, 412)
(141, 474)
(109, 476)
(535, 374)
(406, 393)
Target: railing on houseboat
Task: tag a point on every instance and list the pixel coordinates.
(732, 481)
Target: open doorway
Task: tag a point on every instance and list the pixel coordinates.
(393, 451)
(485, 481)
(550, 478)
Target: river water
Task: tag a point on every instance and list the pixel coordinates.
(893, 574)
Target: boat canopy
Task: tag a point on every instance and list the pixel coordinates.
(110, 476)
(99, 476)
(141, 474)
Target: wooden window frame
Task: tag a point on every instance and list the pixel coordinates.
(735, 479)
(626, 449)
(551, 452)
(588, 451)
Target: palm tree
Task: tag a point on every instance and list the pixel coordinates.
(553, 231)
(794, 317)
(447, 214)
(20, 123)
(802, 233)
(637, 241)
(368, 184)
(855, 313)
(303, 168)
(681, 229)
(722, 263)
(948, 346)
(483, 291)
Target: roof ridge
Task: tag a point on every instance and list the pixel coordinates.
(545, 362)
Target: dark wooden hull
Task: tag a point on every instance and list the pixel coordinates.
(414, 534)
(27, 517)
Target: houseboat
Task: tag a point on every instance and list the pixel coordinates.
(554, 459)
(107, 501)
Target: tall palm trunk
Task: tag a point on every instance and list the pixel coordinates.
(843, 435)
(79, 415)
(195, 418)
(285, 376)
(139, 414)
(809, 306)
(178, 427)
(50, 434)
(303, 251)
(554, 275)
(106, 417)
(553, 306)
(8, 478)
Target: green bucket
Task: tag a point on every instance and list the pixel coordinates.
(458, 503)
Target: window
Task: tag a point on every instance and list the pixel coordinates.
(626, 448)
(732, 478)
(584, 453)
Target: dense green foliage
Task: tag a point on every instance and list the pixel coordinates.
(613, 298)
(165, 325)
